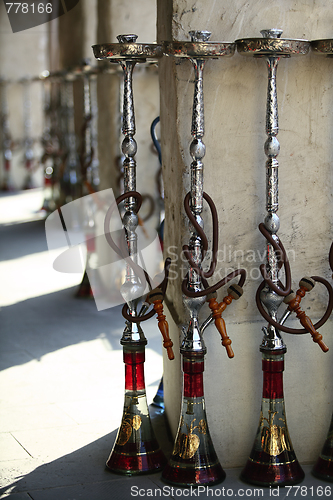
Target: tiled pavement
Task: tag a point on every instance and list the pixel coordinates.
(61, 382)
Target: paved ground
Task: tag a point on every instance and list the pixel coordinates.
(61, 381)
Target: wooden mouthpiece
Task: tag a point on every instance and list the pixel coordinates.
(294, 305)
(156, 297)
(217, 310)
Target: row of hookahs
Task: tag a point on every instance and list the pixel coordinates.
(194, 461)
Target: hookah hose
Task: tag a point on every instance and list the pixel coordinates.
(208, 289)
(123, 252)
(285, 290)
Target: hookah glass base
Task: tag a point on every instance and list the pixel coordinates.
(193, 460)
(136, 450)
(272, 461)
(323, 468)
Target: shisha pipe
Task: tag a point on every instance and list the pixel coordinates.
(136, 449)
(28, 140)
(89, 169)
(194, 460)
(7, 184)
(272, 460)
(323, 468)
(69, 174)
(47, 159)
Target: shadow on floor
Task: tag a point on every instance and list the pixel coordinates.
(82, 472)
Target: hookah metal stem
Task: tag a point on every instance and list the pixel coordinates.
(6, 136)
(87, 114)
(27, 123)
(129, 148)
(272, 148)
(94, 127)
(71, 137)
(197, 150)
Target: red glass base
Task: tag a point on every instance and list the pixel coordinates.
(323, 469)
(267, 474)
(185, 473)
(127, 460)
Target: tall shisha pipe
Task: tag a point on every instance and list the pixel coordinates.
(194, 460)
(272, 460)
(136, 449)
(7, 184)
(323, 468)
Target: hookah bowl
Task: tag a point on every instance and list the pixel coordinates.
(272, 460)
(136, 450)
(194, 460)
(323, 468)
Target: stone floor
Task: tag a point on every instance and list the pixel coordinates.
(61, 382)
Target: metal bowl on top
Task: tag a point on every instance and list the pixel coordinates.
(272, 45)
(323, 47)
(199, 47)
(127, 48)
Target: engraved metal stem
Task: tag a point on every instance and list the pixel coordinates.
(6, 135)
(270, 299)
(28, 141)
(193, 340)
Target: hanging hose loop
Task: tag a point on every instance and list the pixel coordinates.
(163, 286)
(204, 247)
(282, 261)
(123, 253)
(286, 329)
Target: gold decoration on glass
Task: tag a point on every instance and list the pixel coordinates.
(187, 444)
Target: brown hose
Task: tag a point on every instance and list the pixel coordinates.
(283, 260)
(286, 329)
(208, 289)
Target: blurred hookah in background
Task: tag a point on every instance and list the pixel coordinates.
(28, 140)
(323, 468)
(6, 139)
(69, 171)
(272, 460)
(194, 460)
(50, 145)
(89, 169)
(136, 449)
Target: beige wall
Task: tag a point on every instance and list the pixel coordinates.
(235, 99)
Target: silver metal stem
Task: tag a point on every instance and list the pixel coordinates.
(131, 286)
(272, 339)
(193, 340)
(6, 136)
(28, 141)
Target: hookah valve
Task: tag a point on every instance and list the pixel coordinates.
(294, 299)
(234, 292)
(156, 297)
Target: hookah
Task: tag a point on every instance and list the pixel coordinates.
(7, 184)
(272, 460)
(69, 170)
(89, 169)
(194, 460)
(323, 468)
(28, 140)
(136, 450)
(47, 158)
